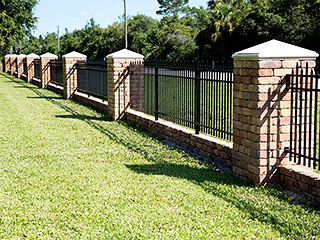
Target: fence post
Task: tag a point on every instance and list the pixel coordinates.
(45, 68)
(70, 78)
(20, 59)
(30, 66)
(262, 108)
(197, 98)
(156, 81)
(125, 82)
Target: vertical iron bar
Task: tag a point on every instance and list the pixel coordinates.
(315, 120)
(156, 81)
(316, 124)
(296, 113)
(197, 98)
(310, 119)
(300, 116)
(219, 104)
(211, 99)
(305, 118)
(224, 104)
(290, 86)
(215, 117)
(229, 105)
(179, 99)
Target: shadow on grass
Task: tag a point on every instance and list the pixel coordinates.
(217, 184)
(211, 181)
(45, 97)
(84, 117)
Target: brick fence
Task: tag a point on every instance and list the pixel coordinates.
(261, 111)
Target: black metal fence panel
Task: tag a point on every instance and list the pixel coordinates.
(305, 117)
(92, 78)
(37, 70)
(195, 95)
(56, 72)
(25, 67)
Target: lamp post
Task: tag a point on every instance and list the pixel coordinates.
(58, 33)
(125, 24)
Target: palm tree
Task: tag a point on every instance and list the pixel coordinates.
(228, 14)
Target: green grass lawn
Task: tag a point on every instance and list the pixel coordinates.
(68, 172)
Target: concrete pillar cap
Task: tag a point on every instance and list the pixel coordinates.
(22, 55)
(74, 55)
(48, 55)
(125, 54)
(32, 55)
(275, 49)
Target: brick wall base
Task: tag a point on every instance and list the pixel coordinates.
(302, 180)
(91, 102)
(207, 146)
(36, 82)
(55, 88)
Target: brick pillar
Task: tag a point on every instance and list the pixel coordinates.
(70, 72)
(45, 68)
(262, 108)
(30, 66)
(120, 79)
(20, 59)
(13, 64)
(7, 63)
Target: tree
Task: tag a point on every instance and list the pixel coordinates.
(16, 22)
(227, 16)
(172, 7)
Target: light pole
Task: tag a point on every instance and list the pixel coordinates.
(125, 24)
(58, 33)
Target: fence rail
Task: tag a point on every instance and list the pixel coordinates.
(196, 95)
(56, 72)
(305, 116)
(92, 78)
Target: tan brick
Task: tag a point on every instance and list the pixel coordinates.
(265, 72)
(251, 64)
(270, 64)
(238, 64)
(290, 64)
(282, 72)
(266, 80)
(265, 89)
(311, 64)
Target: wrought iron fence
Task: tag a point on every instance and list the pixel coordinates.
(305, 116)
(37, 70)
(16, 67)
(92, 78)
(196, 95)
(25, 67)
(56, 72)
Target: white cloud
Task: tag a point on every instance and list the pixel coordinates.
(84, 13)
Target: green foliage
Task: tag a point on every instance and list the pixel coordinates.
(172, 7)
(185, 33)
(16, 21)
(238, 24)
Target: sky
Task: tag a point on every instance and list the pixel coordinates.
(74, 14)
